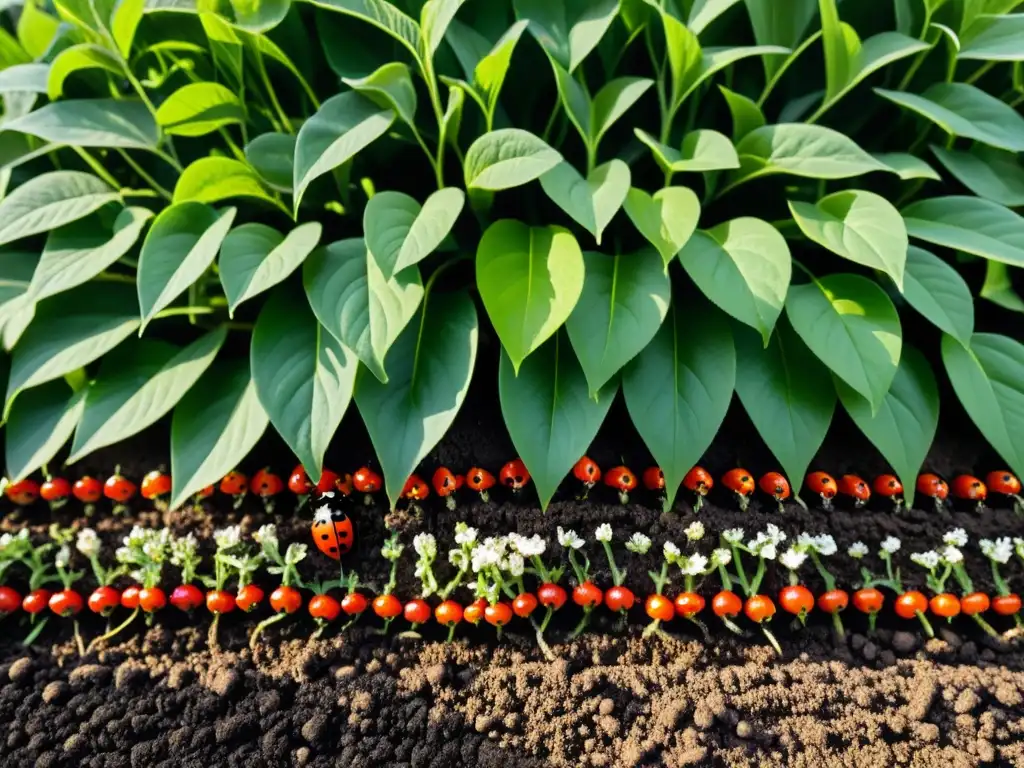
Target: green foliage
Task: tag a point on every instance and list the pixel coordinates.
(690, 199)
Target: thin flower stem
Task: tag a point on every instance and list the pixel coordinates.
(262, 626)
(145, 176)
(116, 630)
(617, 576)
(176, 311)
(97, 167)
(272, 94)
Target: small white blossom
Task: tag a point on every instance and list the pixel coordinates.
(603, 532)
(957, 537)
(88, 543)
(63, 556)
(391, 550)
(671, 552)
(693, 565)
(183, 549)
(952, 555)
(857, 550)
(136, 537)
(156, 544)
(515, 565)
(459, 559)
(774, 534)
(928, 559)
(530, 547)
(486, 555)
(999, 550)
(768, 551)
(891, 545)
(721, 556)
(569, 539)
(792, 558)
(638, 543)
(123, 555)
(733, 535)
(825, 545)
(695, 531)
(425, 545)
(464, 534)
(266, 535)
(295, 553)
(229, 537)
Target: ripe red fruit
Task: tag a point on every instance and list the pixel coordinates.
(700, 482)
(833, 601)
(776, 486)
(218, 602)
(689, 604)
(726, 604)
(23, 492)
(587, 595)
(66, 603)
(130, 597)
(975, 603)
(934, 487)
(234, 484)
(285, 599)
(387, 606)
(587, 472)
(551, 596)
(855, 487)
(1003, 482)
(87, 489)
(119, 488)
(36, 601)
(10, 601)
(417, 611)
(514, 475)
(868, 600)
(152, 599)
(445, 485)
(654, 479)
(823, 484)
(621, 479)
(104, 600)
(298, 482)
(945, 605)
(186, 597)
(55, 489)
(474, 612)
(524, 605)
(328, 482)
(797, 600)
(910, 603)
(759, 608)
(480, 480)
(448, 613)
(324, 607)
(265, 484)
(1006, 605)
(890, 487)
(415, 488)
(498, 615)
(354, 603)
(969, 487)
(205, 492)
(249, 597)
(367, 482)
(740, 482)
(619, 599)
(155, 484)
(659, 608)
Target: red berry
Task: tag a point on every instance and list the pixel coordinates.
(659, 608)
(699, 481)
(354, 604)
(328, 482)
(186, 597)
(66, 603)
(104, 600)
(448, 613)
(587, 595)
(524, 605)
(55, 489)
(514, 475)
(975, 603)
(218, 602)
(249, 597)
(153, 599)
(265, 484)
(498, 615)
(366, 480)
(654, 479)
(551, 596)
(969, 487)
(155, 484)
(415, 488)
(823, 484)
(1006, 605)
(479, 480)
(10, 601)
(474, 612)
(759, 608)
(726, 604)
(910, 603)
(887, 485)
(932, 486)
(775, 485)
(587, 472)
(36, 601)
(689, 604)
(324, 607)
(444, 482)
(285, 599)
(1003, 482)
(119, 488)
(417, 611)
(868, 600)
(234, 483)
(619, 599)
(797, 600)
(387, 606)
(833, 601)
(23, 492)
(87, 490)
(298, 482)
(621, 479)
(130, 597)
(855, 487)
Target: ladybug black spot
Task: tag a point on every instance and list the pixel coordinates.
(892, 483)
(519, 478)
(745, 479)
(325, 536)
(1006, 478)
(342, 534)
(477, 478)
(334, 550)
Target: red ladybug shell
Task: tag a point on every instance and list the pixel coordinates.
(332, 531)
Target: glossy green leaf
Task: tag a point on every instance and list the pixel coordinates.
(212, 179)
(744, 267)
(568, 30)
(679, 388)
(49, 201)
(840, 44)
(702, 150)
(612, 102)
(304, 377)
(624, 301)
(529, 279)
(667, 219)
(787, 394)
(389, 87)
(225, 46)
(355, 302)
(852, 327)
(214, 427)
(400, 233)
(860, 226)
(255, 258)
(907, 166)
(197, 109)
(75, 59)
(180, 246)
(509, 157)
(703, 12)
(41, 421)
(429, 377)
(998, 287)
(17, 149)
(968, 224)
(124, 22)
(384, 15)
(993, 174)
(36, 29)
(490, 72)
(936, 290)
(435, 17)
(746, 115)
(994, 38)
(91, 123)
(343, 126)
(273, 157)
(903, 426)
(258, 16)
(591, 202)
(31, 78)
(784, 29)
(137, 385)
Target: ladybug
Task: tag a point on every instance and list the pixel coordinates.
(332, 528)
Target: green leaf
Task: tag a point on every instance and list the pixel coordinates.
(612, 102)
(36, 29)
(435, 17)
(852, 327)
(936, 290)
(907, 166)
(451, 121)
(568, 30)
(703, 150)
(529, 279)
(389, 87)
(273, 155)
(963, 110)
(124, 22)
(400, 234)
(841, 44)
(137, 385)
(679, 388)
(214, 427)
(197, 109)
(998, 287)
(774, 28)
(77, 252)
(550, 415)
(591, 202)
(968, 224)
(70, 331)
(30, 78)
(16, 270)
(903, 426)
(994, 38)
(180, 246)
(225, 46)
(255, 258)
(212, 179)
(490, 72)
(343, 126)
(667, 219)
(258, 16)
(860, 226)
(744, 267)
(703, 12)
(788, 395)
(49, 201)
(746, 115)
(77, 58)
(509, 157)
(304, 377)
(41, 421)
(355, 302)
(430, 374)
(91, 123)
(989, 173)
(383, 15)
(624, 301)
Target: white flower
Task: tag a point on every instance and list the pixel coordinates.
(891, 545)
(695, 531)
(638, 543)
(295, 553)
(768, 551)
(464, 534)
(792, 558)
(721, 556)
(952, 555)
(825, 545)
(266, 535)
(569, 539)
(322, 514)
(957, 537)
(603, 532)
(774, 534)
(999, 550)
(515, 565)
(88, 543)
(671, 552)
(183, 549)
(857, 550)
(63, 557)
(459, 559)
(733, 535)
(693, 565)
(136, 537)
(391, 550)
(486, 554)
(154, 547)
(928, 559)
(425, 545)
(230, 536)
(124, 555)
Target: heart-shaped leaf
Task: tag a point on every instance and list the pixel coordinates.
(400, 234)
(667, 219)
(46, 202)
(993, 174)
(746, 115)
(936, 290)
(74, 59)
(509, 157)
(197, 109)
(968, 224)
(91, 123)
(41, 421)
(389, 87)
(273, 157)
(567, 31)
(529, 279)
(591, 202)
(702, 150)
(212, 179)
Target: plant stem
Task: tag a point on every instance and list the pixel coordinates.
(177, 311)
(145, 176)
(272, 94)
(97, 167)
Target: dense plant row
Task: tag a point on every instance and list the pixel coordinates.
(496, 570)
(171, 171)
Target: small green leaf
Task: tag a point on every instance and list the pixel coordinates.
(994, 38)
(303, 376)
(383, 15)
(788, 395)
(968, 224)
(225, 46)
(273, 156)
(744, 267)
(91, 123)
(591, 202)
(180, 246)
(197, 109)
(490, 72)
(679, 388)
(937, 291)
(529, 279)
(36, 29)
(41, 421)
(430, 374)
(258, 16)
(124, 22)
(774, 28)
(138, 383)
(852, 327)
(355, 302)
(343, 126)
(703, 12)
(746, 115)
(389, 87)
(212, 179)
(903, 427)
(667, 219)
(25, 78)
(509, 157)
(75, 59)
(51, 200)
(214, 427)
(435, 17)
(703, 150)
(400, 234)
(624, 301)
(998, 287)
(907, 166)
(612, 102)
(990, 173)
(568, 31)
(860, 226)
